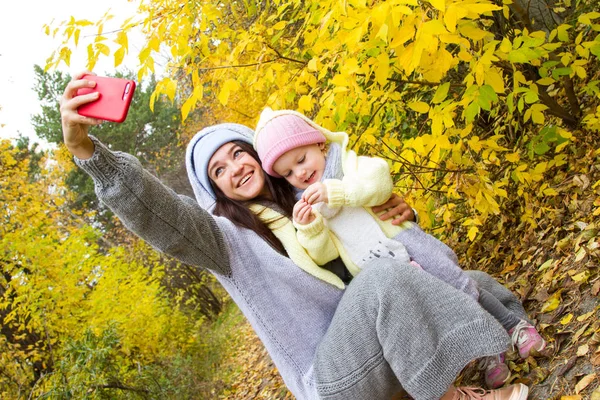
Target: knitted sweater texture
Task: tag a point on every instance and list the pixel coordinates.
(289, 309)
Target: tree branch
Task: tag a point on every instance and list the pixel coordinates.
(117, 385)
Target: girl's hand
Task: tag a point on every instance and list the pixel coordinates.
(302, 213)
(395, 208)
(75, 126)
(315, 193)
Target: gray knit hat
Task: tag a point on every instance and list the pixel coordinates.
(202, 147)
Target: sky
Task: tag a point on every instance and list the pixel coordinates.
(25, 44)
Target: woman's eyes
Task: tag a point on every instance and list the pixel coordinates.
(301, 160)
(237, 153)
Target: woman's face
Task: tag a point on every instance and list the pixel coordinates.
(237, 173)
(302, 166)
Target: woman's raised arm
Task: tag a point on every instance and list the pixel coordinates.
(173, 224)
(75, 126)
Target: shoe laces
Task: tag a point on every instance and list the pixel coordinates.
(490, 362)
(469, 393)
(519, 335)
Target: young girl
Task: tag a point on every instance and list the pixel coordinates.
(333, 217)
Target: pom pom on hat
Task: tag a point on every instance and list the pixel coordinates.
(278, 132)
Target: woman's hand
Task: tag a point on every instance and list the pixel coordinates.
(315, 193)
(395, 208)
(302, 213)
(75, 126)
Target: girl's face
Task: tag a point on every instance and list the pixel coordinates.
(237, 173)
(302, 166)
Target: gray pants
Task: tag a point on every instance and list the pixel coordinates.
(491, 304)
(400, 327)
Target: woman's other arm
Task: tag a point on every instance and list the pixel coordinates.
(397, 209)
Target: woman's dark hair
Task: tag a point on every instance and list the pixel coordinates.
(282, 193)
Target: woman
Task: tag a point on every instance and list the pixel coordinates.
(367, 340)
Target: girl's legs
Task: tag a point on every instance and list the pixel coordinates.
(436, 258)
(510, 313)
(491, 304)
(397, 326)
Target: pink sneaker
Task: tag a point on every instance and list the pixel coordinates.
(512, 392)
(496, 371)
(526, 338)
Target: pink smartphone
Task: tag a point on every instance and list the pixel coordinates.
(115, 98)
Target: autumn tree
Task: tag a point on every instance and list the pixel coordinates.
(77, 320)
(467, 99)
(153, 136)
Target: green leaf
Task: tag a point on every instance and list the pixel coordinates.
(541, 148)
(441, 93)
(558, 72)
(471, 112)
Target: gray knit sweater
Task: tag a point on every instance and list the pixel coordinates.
(289, 309)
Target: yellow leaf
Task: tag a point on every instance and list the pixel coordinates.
(312, 64)
(545, 81)
(581, 253)
(187, 107)
(505, 46)
(435, 27)
(419, 106)
(581, 277)
(582, 350)
(513, 157)
(481, 8)
(493, 77)
(552, 303)
(439, 4)
(122, 40)
(119, 55)
(383, 33)
(339, 80)
(537, 117)
(566, 319)
(441, 93)
(585, 316)
(584, 382)
(471, 31)
(280, 25)
(450, 18)
(305, 103)
(229, 85)
(576, 397)
(472, 233)
(383, 69)
(586, 18)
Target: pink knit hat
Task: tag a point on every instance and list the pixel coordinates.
(279, 132)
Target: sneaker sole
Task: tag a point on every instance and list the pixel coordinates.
(522, 393)
(499, 385)
(535, 352)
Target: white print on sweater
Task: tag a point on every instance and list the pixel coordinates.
(361, 235)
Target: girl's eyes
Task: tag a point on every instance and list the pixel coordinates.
(237, 153)
(218, 171)
(301, 160)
